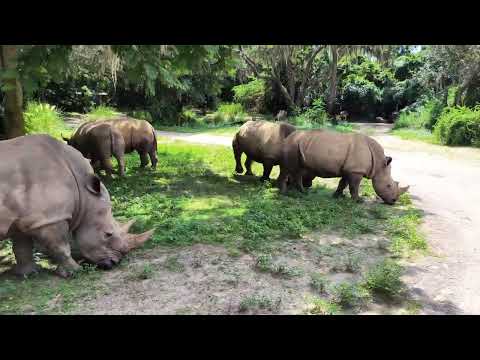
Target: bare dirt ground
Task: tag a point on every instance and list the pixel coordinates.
(444, 184)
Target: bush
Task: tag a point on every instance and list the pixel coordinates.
(351, 295)
(141, 114)
(459, 126)
(251, 95)
(43, 119)
(101, 111)
(187, 118)
(384, 278)
(228, 113)
(424, 116)
(317, 113)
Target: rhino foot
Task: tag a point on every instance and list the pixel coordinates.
(248, 173)
(65, 272)
(24, 270)
(338, 195)
(239, 170)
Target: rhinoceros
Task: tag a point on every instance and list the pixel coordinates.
(139, 135)
(49, 194)
(327, 154)
(100, 141)
(261, 141)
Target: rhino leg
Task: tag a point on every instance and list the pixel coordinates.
(282, 180)
(237, 153)
(248, 166)
(55, 239)
(153, 157)
(354, 186)
(341, 186)
(121, 165)
(267, 169)
(23, 250)
(143, 159)
(107, 166)
(297, 179)
(307, 180)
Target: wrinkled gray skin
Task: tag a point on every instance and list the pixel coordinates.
(50, 194)
(326, 154)
(100, 141)
(139, 136)
(261, 141)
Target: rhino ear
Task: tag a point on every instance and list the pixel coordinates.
(94, 185)
(388, 160)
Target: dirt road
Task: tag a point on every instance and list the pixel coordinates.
(444, 183)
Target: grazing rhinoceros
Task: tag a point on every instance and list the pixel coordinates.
(48, 191)
(261, 141)
(140, 136)
(100, 141)
(307, 154)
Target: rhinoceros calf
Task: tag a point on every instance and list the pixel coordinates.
(140, 136)
(308, 154)
(261, 141)
(48, 191)
(100, 141)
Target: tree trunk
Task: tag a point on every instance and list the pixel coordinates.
(332, 93)
(14, 124)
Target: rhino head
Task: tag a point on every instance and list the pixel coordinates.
(102, 240)
(385, 187)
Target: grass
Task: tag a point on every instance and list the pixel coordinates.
(415, 135)
(44, 119)
(100, 112)
(262, 302)
(319, 283)
(194, 197)
(323, 307)
(351, 295)
(384, 279)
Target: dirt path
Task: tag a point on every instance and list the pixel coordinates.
(444, 184)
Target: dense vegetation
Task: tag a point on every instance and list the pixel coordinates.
(203, 85)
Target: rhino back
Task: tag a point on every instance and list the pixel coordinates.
(262, 139)
(37, 182)
(331, 154)
(137, 134)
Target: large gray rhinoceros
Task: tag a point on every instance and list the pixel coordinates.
(139, 135)
(327, 154)
(48, 191)
(100, 141)
(261, 141)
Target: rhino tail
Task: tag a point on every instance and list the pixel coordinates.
(154, 139)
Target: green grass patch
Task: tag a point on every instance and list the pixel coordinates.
(101, 112)
(384, 279)
(351, 295)
(415, 135)
(43, 118)
(323, 307)
(403, 231)
(259, 302)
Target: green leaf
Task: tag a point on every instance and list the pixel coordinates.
(151, 71)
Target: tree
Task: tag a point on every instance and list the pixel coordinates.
(290, 67)
(14, 124)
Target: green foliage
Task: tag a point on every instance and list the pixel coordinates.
(319, 283)
(384, 278)
(424, 117)
(403, 230)
(323, 307)
(102, 112)
(317, 113)
(265, 263)
(251, 95)
(459, 126)
(43, 119)
(351, 295)
(141, 114)
(256, 302)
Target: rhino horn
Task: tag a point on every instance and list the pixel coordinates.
(136, 240)
(402, 190)
(126, 226)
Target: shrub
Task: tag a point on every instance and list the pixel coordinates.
(317, 113)
(350, 295)
(102, 112)
(227, 113)
(141, 114)
(459, 126)
(251, 95)
(43, 119)
(187, 118)
(424, 116)
(384, 278)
